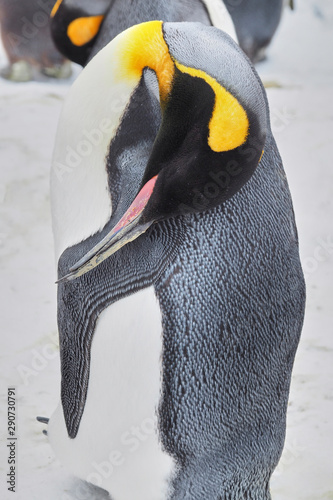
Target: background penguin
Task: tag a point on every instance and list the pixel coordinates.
(80, 29)
(255, 22)
(26, 37)
(181, 123)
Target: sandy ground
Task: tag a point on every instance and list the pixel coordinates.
(300, 75)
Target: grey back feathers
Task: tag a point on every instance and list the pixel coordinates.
(94, 8)
(233, 304)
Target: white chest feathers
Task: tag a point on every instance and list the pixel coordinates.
(117, 446)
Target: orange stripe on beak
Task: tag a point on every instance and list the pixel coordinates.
(137, 206)
(126, 230)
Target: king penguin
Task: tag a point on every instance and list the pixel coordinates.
(180, 290)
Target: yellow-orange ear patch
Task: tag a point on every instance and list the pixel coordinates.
(146, 47)
(229, 124)
(55, 8)
(82, 30)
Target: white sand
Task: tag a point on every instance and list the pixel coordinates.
(300, 60)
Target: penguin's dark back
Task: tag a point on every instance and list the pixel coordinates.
(232, 305)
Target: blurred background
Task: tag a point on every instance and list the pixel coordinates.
(298, 74)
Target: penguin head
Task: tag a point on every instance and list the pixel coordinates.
(214, 121)
(75, 26)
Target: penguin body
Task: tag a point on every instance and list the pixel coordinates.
(184, 396)
(27, 40)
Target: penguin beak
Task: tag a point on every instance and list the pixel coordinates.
(126, 230)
